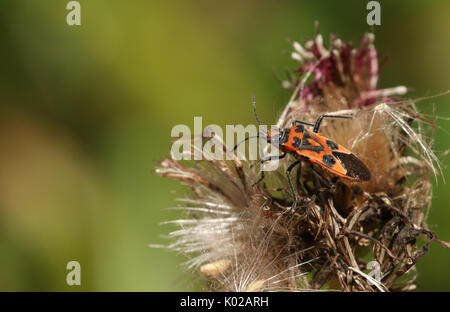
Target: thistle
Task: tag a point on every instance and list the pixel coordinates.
(349, 237)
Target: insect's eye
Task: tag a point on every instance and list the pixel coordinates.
(275, 139)
(283, 137)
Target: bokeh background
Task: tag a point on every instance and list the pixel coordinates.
(86, 111)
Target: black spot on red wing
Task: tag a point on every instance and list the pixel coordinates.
(300, 129)
(284, 137)
(328, 160)
(306, 138)
(332, 145)
(297, 142)
(354, 167)
(308, 146)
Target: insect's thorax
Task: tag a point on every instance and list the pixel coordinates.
(298, 138)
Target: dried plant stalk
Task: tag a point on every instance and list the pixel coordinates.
(243, 238)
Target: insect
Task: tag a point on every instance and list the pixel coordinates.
(310, 146)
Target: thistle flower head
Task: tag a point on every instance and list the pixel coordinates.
(245, 237)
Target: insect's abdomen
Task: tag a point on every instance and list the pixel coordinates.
(354, 167)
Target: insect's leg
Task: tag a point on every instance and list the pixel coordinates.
(307, 187)
(323, 179)
(321, 195)
(321, 117)
(297, 179)
(263, 160)
(295, 122)
(288, 175)
(268, 158)
(260, 179)
(246, 139)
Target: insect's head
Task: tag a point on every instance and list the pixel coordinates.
(277, 136)
(274, 137)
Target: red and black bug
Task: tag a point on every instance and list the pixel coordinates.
(307, 145)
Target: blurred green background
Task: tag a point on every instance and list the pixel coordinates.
(86, 111)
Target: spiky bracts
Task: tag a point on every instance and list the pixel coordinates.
(246, 238)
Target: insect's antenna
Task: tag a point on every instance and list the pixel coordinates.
(259, 125)
(254, 109)
(246, 139)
